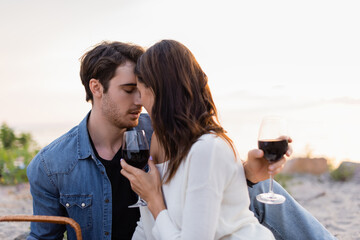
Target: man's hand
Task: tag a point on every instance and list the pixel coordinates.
(258, 169)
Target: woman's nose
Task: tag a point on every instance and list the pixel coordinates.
(137, 97)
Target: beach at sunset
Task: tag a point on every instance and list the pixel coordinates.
(295, 59)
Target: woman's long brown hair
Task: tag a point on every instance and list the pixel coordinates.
(183, 108)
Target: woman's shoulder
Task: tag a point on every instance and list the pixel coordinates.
(211, 139)
(213, 144)
(212, 154)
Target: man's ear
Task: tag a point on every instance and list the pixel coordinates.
(96, 88)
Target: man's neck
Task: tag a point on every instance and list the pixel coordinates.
(106, 137)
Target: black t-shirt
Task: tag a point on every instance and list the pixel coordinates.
(123, 218)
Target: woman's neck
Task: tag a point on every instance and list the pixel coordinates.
(156, 150)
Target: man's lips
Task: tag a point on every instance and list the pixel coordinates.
(135, 112)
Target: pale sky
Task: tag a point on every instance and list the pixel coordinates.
(297, 59)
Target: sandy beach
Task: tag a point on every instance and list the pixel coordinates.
(335, 204)
(14, 200)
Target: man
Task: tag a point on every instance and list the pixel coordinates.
(78, 175)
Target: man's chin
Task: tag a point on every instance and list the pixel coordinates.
(133, 123)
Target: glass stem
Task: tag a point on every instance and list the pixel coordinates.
(271, 185)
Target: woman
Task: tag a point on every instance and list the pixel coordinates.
(197, 189)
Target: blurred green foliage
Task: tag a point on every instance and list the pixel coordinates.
(343, 173)
(16, 152)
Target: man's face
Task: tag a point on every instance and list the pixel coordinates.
(121, 103)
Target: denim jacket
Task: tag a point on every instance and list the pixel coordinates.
(66, 179)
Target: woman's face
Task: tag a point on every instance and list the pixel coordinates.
(146, 97)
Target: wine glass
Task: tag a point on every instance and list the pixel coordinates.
(135, 151)
(273, 141)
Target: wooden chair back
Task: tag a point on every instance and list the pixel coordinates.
(42, 218)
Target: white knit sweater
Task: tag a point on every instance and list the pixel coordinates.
(206, 199)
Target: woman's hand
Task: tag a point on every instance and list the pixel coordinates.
(146, 185)
(258, 169)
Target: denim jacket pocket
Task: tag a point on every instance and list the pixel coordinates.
(79, 208)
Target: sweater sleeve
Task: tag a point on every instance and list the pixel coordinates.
(209, 167)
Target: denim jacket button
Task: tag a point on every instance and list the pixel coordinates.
(106, 233)
(106, 200)
(67, 205)
(83, 204)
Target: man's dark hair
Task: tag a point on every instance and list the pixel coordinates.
(102, 60)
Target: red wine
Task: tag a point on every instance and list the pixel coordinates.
(136, 158)
(273, 149)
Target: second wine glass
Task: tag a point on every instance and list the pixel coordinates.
(135, 149)
(274, 143)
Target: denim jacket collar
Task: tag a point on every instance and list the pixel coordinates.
(85, 150)
(84, 146)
